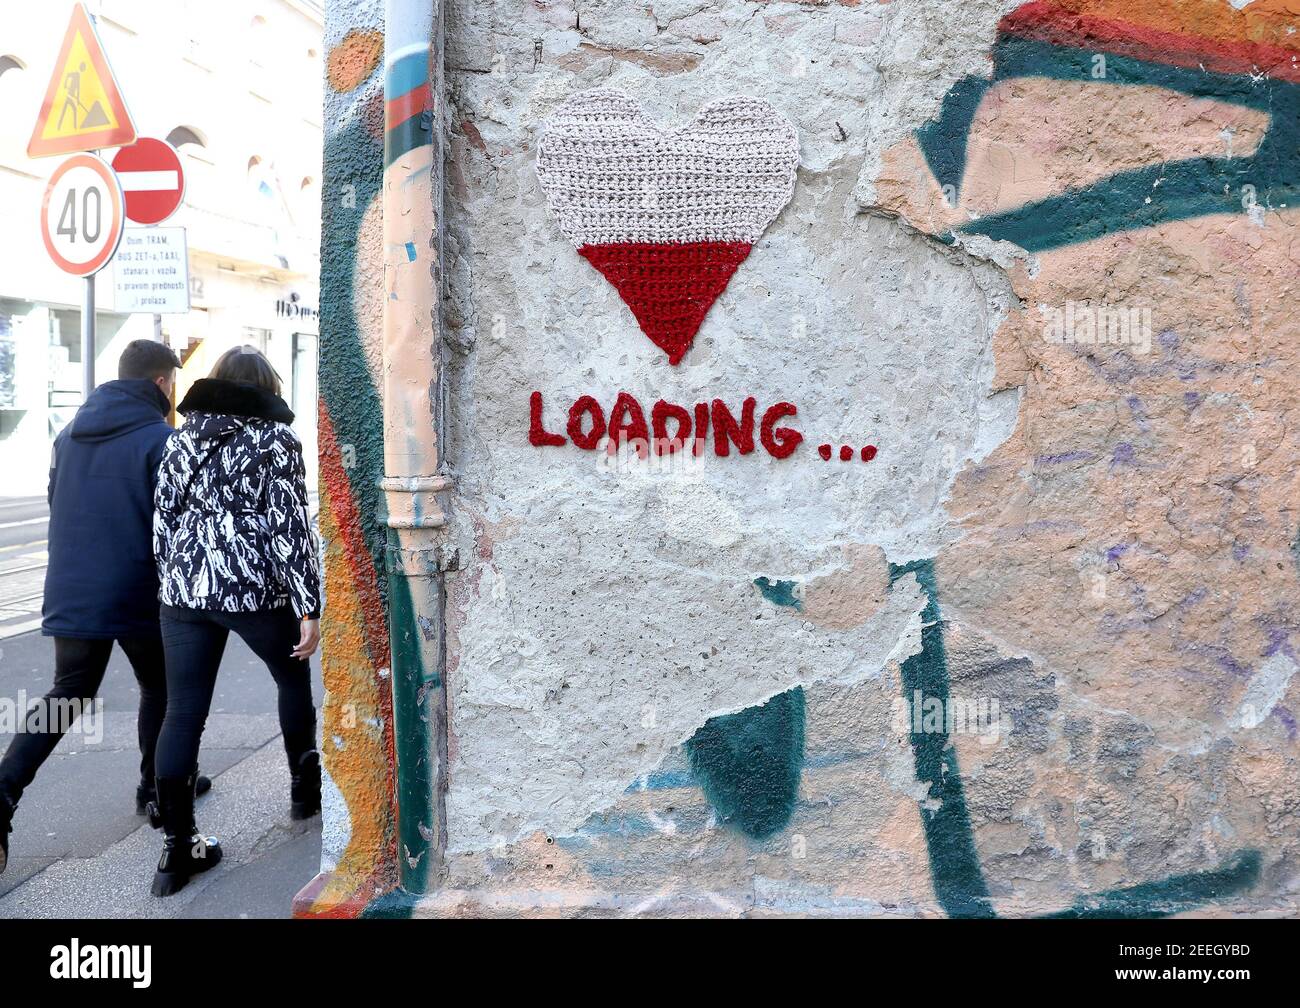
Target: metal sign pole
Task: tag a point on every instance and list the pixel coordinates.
(88, 332)
(88, 337)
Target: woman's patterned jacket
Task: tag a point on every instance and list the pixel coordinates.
(231, 529)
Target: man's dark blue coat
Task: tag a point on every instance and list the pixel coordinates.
(101, 580)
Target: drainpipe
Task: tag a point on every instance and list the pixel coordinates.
(415, 488)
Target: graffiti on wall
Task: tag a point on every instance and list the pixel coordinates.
(1121, 580)
(742, 761)
(1127, 45)
(379, 116)
(1123, 83)
(358, 740)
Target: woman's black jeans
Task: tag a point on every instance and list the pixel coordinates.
(193, 641)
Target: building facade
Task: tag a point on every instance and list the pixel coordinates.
(972, 593)
(235, 88)
(775, 458)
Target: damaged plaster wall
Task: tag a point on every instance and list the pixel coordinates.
(611, 608)
(1133, 539)
(701, 687)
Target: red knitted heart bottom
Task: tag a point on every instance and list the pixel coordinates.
(670, 287)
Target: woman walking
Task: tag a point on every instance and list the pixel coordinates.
(235, 551)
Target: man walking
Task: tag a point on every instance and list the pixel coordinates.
(101, 584)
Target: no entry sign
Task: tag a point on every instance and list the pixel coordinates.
(82, 215)
(152, 178)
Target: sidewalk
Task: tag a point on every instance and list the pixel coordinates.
(78, 849)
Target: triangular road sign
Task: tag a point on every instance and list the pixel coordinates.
(83, 109)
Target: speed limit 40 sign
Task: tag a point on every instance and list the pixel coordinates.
(82, 215)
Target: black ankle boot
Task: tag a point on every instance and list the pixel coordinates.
(185, 853)
(6, 817)
(304, 784)
(145, 797)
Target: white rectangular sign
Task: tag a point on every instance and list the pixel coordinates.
(151, 271)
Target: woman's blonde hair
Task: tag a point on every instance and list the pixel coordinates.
(249, 365)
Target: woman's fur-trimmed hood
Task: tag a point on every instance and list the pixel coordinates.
(217, 396)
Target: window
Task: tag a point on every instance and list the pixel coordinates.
(16, 92)
(261, 58)
(257, 36)
(183, 135)
(198, 40)
(258, 338)
(8, 384)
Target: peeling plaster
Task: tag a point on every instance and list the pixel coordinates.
(632, 688)
(606, 612)
(875, 332)
(1266, 689)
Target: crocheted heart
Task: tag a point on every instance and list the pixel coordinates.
(667, 218)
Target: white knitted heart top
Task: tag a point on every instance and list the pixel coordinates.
(610, 176)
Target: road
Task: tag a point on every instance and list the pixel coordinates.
(23, 524)
(78, 849)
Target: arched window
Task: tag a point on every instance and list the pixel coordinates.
(183, 135)
(307, 206)
(16, 92)
(258, 42)
(261, 190)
